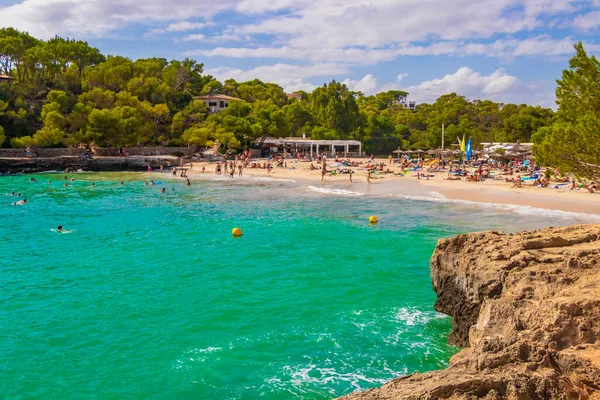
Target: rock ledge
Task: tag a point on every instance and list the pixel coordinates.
(526, 310)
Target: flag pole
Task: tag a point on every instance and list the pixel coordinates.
(442, 136)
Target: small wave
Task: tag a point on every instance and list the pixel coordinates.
(273, 179)
(413, 316)
(300, 375)
(520, 209)
(337, 192)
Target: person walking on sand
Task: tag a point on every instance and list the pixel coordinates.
(149, 168)
(188, 183)
(240, 170)
(350, 175)
(203, 169)
(323, 172)
(369, 176)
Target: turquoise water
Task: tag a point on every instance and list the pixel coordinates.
(149, 296)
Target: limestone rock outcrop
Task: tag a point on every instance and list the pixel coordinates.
(526, 311)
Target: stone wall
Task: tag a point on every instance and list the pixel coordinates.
(146, 151)
(20, 153)
(133, 151)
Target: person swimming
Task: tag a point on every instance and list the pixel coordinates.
(162, 190)
(12, 193)
(20, 202)
(93, 184)
(60, 229)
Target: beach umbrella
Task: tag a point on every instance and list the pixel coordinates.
(519, 148)
(436, 152)
(398, 151)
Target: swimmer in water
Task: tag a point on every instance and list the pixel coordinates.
(72, 179)
(66, 184)
(60, 229)
(20, 202)
(66, 178)
(152, 182)
(12, 193)
(146, 183)
(32, 180)
(93, 185)
(19, 194)
(49, 183)
(188, 183)
(122, 183)
(162, 190)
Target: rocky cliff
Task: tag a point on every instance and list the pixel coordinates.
(525, 309)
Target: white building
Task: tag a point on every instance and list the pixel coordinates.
(216, 102)
(312, 147)
(404, 102)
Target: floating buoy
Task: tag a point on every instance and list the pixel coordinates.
(373, 219)
(237, 232)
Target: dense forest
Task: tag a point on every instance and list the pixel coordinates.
(64, 92)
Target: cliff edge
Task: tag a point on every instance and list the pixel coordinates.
(526, 310)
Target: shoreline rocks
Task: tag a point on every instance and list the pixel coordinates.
(71, 164)
(526, 311)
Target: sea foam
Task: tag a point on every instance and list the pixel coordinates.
(333, 191)
(516, 208)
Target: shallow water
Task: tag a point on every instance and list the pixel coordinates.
(149, 296)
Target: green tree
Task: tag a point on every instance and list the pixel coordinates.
(571, 143)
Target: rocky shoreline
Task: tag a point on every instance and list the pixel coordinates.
(526, 311)
(71, 164)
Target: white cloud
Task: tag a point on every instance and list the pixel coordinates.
(46, 18)
(338, 24)
(179, 27)
(497, 86)
(369, 84)
(466, 82)
(196, 37)
(587, 21)
(353, 55)
(290, 77)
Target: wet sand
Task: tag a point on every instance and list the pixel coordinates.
(437, 187)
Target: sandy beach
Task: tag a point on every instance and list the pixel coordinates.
(493, 191)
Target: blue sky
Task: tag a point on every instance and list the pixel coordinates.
(503, 50)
